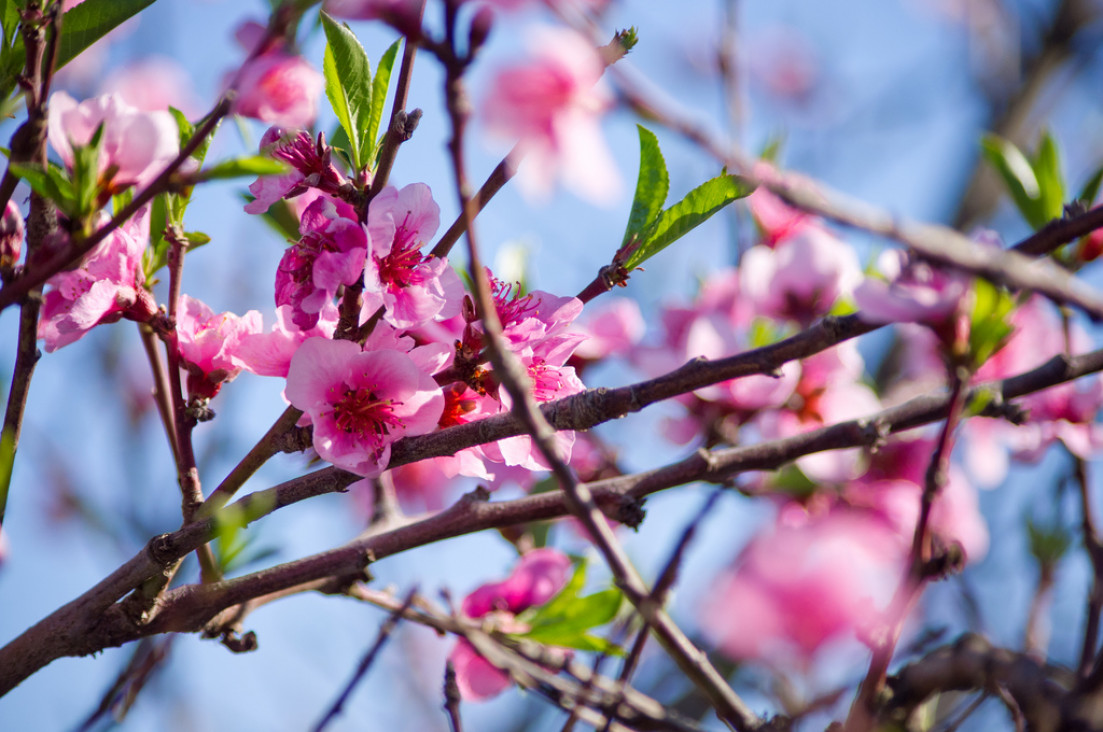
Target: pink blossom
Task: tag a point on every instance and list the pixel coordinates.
(537, 578)
(361, 401)
(275, 86)
(108, 285)
(153, 83)
(135, 146)
(915, 292)
(370, 9)
(412, 287)
(208, 344)
(330, 254)
(796, 588)
(776, 219)
(269, 354)
(802, 276)
(613, 329)
(311, 168)
(551, 104)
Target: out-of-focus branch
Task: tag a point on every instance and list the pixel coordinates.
(935, 243)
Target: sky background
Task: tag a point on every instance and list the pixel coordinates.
(878, 98)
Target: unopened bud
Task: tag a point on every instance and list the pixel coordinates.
(11, 236)
(481, 25)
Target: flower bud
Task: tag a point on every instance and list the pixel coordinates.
(480, 28)
(11, 235)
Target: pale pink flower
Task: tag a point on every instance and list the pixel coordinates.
(135, 146)
(412, 287)
(551, 104)
(537, 578)
(360, 402)
(776, 219)
(912, 292)
(108, 285)
(153, 83)
(311, 169)
(795, 588)
(208, 344)
(269, 354)
(275, 86)
(613, 329)
(802, 276)
(330, 254)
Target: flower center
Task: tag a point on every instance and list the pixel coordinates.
(399, 268)
(360, 412)
(511, 308)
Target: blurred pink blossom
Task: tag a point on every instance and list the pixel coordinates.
(537, 578)
(135, 146)
(912, 292)
(361, 401)
(552, 104)
(795, 588)
(11, 235)
(370, 9)
(153, 83)
(274, 86)
(612, 329)
(269, 354)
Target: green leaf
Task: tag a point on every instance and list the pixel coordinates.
(1090, 190)
(348, 85)
(47, 182)
(689, 213)
(9, 20)
(380, 84)
(251, 165)
(1051, 187)
(575, 618)
(558, 604)
(652, 186)
(989, 328)
(1017, 174)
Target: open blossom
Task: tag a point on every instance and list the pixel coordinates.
(551, 105)
(269, 354)
(330, 254)
(361, 401)
(538, 577)
(275, 86)
(108, 285)
(795, 588)
(802, 276)
(135, 146)
(412, 287)
(208, 344)
(311, 168)
(915, 292)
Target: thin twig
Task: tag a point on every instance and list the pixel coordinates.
(1094, 548)
(385, 631)
(452, 698)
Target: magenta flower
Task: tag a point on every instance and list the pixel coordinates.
(330, 254)
(108, 285)
(551, 104)
(11, 235)
(412, 287)
(311, 168)
(537, 578)
(361, 402)
(208, 344)
(135, 146)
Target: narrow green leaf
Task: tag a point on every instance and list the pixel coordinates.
(652, 186)
(196, 239)
(250, 165)
(92, 20)
(348, 84)
(558, 604)
(9, 21)
(380, 84)
(7, 463)
(689, 213)
(1090, 190)
(1017, 174)
(587, 642)
(53, 187)
(1051, 186)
